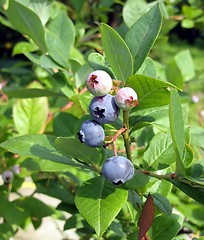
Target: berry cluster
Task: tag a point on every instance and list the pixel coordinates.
(105, 108)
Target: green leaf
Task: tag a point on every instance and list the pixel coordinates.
(155, 116)
(117, 53)
(30, 115)
(60, 37)
(197, 169)
(27, 22)
(139, 180)
(180, 69)
(37, 208)
(162, 203)
(142, 35)
(98, 62)
(190, 187)
(51, 187)
(42, 165)
(60, 126)
(148, 68)
(133, 10)
(160, 152)
(99, 202)
(30, 93)
(37, 146)
(151, 92)
(177, 130)
(6, 231)
(74, 148)
(166, 227)
(82, 74)
(41, 8)
(23, 47)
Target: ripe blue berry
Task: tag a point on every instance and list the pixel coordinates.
(7, 176)
(91, 133)
(103, 109)
(126, 98)
(99, 83)
(118, 169)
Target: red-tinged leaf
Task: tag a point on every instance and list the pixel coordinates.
(146, 217)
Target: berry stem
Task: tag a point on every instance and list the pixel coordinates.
(126, 134)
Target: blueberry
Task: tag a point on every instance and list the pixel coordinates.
(91, 133)
(7, 176)
(126, 98)
(104, 109)
(118, 169)
(99, 83)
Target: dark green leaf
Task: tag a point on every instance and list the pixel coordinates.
(64, 124)
(142, 35)
(166, 227)
(99, 202)
(30, 93)
(139, 180)
(27, 22)
(37, 146)
(6, 231)
(72, 147)
(117, 53)
(54, 189)
(162, 203)
(197, 169)
(190, 187)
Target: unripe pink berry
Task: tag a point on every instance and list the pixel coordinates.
(7, 176)
(16, 169)
(126, 98)
(99, 83)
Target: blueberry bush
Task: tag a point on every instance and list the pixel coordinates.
(102, 108)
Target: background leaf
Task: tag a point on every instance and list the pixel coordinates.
(30, 114)
(60, 37)
(40, 7)
(99, 202)
(133, 10)
(27, 22)
(142, 35)
(30, 93)
(117, 53)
